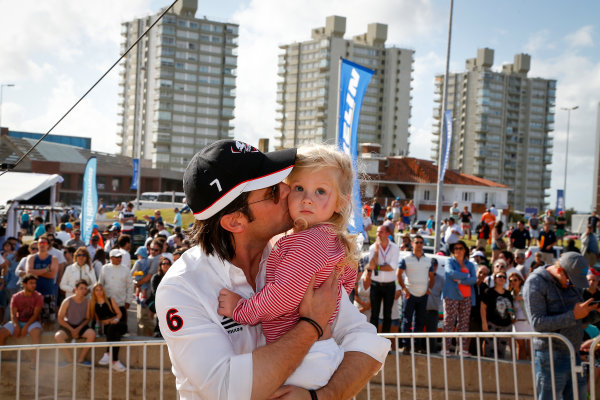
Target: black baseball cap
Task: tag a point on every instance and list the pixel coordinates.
(223, 170)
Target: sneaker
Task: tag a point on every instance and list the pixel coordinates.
(465, 353)
(85, 363)
(104, 360)
(446, 353)
(117, 366)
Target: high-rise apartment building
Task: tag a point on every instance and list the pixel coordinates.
(502, 124)
(307, 94)
(178, 85)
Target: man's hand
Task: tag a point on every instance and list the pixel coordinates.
(290, 393)
(23, 331)
(228, 300)
(319, 304)
(581, 310)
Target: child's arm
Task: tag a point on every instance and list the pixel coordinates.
(284, 294)
(227, 302)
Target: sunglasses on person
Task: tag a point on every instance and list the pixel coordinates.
(500, 276)
(274, 195)
(165, 263)
(81, 255)
(155, 249)
(514, 280)
(419, 242)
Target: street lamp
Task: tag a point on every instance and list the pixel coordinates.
(2, 86)
(568, 110)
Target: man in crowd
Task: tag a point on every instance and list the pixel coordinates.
(177, 218)
(465, 222)
(593, 221)
(549, 218)
(39, 230)
(589, 245)
(25, 311)
(117, 281)
(415, 276)
(76, 241)
(127, 219)
(239, 205)
(482, 230)
(479, 288)
(520, 238)
(44, 267)
(383, 263)
(454, 210)
(547, 241)
(534, 228)
(453, 233)
(63, 235)
(554, 303)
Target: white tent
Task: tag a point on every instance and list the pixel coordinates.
(22, 186)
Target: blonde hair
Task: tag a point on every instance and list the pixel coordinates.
(317, 157)
(94, 300)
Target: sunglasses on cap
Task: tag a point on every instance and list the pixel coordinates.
(273, 196)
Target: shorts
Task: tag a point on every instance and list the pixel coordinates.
(466, 227)
(11, 328)
(49, 309)
(406, 220)
(395, 322)
(319, 364)
(68, 332)
(534, 233)
(560, 233)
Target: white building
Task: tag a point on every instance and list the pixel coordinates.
(388, 178)
(307, 95)
(178, 86)
(502, 124)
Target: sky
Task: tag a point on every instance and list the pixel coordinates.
(54, 50)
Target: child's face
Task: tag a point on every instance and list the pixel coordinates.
(313, 196)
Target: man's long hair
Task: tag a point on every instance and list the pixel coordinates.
(210, 234)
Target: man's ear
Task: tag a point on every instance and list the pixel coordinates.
(235, 222)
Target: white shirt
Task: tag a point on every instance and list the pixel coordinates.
(189, 292)
(117, 282)
(92, 250)
(390, 255)
(73, 273)
(60, 257)
(63, 236)
(452, 234)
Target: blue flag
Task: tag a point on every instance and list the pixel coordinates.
(354, 80)
(448, 132)
(136, 174)
(560, 201)
(89, 202)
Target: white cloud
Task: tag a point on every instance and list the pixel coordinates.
(538, 41)
(581, 38)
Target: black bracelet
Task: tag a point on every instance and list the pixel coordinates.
(315, 324)
(313, 395)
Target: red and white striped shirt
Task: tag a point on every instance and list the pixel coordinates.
(290, 267)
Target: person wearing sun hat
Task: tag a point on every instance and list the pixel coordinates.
(239, 204)
(554, 302)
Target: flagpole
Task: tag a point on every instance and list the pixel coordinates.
(441, 151)
(337, 111)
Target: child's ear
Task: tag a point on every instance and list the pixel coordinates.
(235, 222)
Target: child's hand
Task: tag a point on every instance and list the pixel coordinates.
(227, 302)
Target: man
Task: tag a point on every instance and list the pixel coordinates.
(113, 234)
(239, 204)
(93, 247)
(454, 210)
(478, 290)
(127, 219)
(152, 220)
(549, 218)
(520, 264)
(124, 244)
(375, 211)
(416, 286)
(465, 222)
(494, 211)
(593, 221)
(39, 230)
(547, 241)
(25, 310)
(554, 303)
(520, 238)
(63, 235)
(405, 244)
(488, 218)
(73, 318)
(117, 282)
(561, 226)
(177, 218)
(76, 241)
(453, 233)
(44, 267)
(589, 246)
(160, 226)
(383, 263)
(534, 228)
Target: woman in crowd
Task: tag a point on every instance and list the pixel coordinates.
(498, 243)
(459, 276)
(80, 269)
(496, 314)
(163, 267)
(105, 310)
(521, 324)
(99, 261)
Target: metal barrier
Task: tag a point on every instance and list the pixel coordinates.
(591, 364)
(152, 378)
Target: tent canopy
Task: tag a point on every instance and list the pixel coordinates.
(21, 186)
